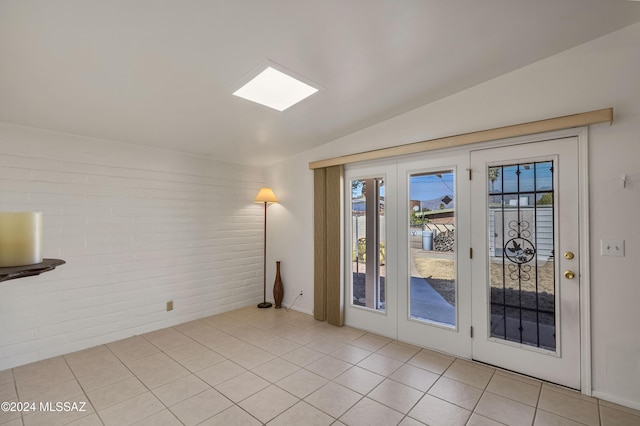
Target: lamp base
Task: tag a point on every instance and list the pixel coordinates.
(264, 305)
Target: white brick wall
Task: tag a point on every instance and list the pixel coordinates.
(137, 226)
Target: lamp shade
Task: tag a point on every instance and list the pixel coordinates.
(266, 195)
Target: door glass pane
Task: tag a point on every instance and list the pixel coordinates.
(367, 236)
(521, 258)
(432, 266)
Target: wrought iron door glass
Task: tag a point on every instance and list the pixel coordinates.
(521, 253)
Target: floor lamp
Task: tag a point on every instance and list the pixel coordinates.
(265, 195)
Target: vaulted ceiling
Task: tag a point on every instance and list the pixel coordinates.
(161, 72)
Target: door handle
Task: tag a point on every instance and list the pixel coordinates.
(569, 275)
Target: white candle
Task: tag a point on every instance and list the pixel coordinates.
(20, 238)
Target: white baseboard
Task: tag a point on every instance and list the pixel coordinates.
(295, 308)
(616, 400)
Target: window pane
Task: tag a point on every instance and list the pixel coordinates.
(432, 275)
(521, 258)
(509, 178)
(367, 227)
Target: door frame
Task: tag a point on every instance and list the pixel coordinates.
(583, 217)
(581, 133)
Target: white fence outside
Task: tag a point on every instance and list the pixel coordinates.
(539, 230)
(359, 229)
(499, 226)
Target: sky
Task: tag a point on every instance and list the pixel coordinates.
(508, 178)
(433, 185)
(436, 185)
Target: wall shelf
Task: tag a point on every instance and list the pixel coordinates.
(29, 270)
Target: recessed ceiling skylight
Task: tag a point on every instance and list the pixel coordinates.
(275, 89)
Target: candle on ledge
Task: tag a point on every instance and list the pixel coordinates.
(20, 238)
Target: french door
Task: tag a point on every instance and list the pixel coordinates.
(371, 249)
(433, 275)
(472, 253)
(417, 289)
(526, 260)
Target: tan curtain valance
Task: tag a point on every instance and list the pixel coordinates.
(551, 124)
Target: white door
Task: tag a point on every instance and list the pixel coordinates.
(370, 229)
(434, 286)
(415, 214)
(525, 267)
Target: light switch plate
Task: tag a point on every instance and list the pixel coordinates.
(612, 248)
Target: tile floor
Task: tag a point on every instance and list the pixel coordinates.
(254, 366)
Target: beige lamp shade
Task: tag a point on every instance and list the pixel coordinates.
(266, 195)
(20, 238)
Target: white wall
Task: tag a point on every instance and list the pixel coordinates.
(602, 73)
(137, 227)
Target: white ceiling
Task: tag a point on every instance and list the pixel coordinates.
(162, 72)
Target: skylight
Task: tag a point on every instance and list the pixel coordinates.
(275, 89)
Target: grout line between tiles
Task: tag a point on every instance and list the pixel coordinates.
(245, 324)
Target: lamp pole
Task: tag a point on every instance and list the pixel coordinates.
(264, 303)
(265, 195)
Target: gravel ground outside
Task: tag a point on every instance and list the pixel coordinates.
(440, 273)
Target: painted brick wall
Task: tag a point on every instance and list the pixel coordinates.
(137, 226)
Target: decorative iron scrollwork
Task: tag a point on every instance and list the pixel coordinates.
(518, 272)
(519, 249)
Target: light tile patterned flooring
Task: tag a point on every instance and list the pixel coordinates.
(265, 366)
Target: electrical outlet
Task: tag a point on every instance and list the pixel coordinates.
(170, 305)
(612, 248)
(301, 292)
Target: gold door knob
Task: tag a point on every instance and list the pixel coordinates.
(568, 255)
(569, 275)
